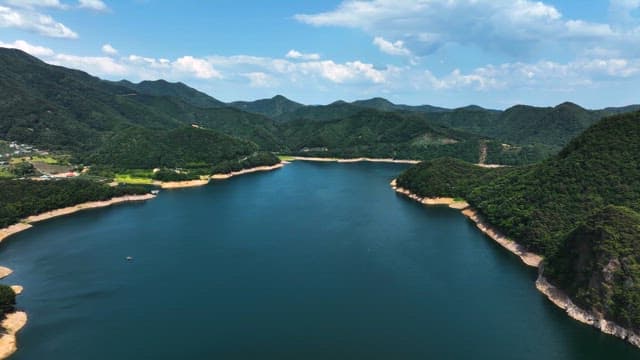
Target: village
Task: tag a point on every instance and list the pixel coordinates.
(19, 160)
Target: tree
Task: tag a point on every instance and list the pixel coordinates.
(7, 299)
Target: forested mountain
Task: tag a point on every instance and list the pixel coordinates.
(63, 109)
(547, 206)
(272, 108)
(380, 134)
(178, 90)
(67, 110)
(386, 105)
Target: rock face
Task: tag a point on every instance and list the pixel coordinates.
(597, 267)
(560, 299)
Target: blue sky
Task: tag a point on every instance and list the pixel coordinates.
(494, 53)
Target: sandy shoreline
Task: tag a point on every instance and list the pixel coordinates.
(182, 184)
(11, 324)
(354, 160)
(555, 295)
(529, 258)
(248, 171)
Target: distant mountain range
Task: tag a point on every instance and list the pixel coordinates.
(68, 110)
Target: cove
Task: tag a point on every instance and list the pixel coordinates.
(312, 261)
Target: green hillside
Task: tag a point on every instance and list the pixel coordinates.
(379, 134)
(101, 122)
(175, 90)
(540, 205)
(598, 265)
(139, 148)
(272, 108)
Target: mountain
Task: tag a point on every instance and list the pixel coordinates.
(272, 108)
(68, 110)
(175, 90)
(597, 265)
(379, 134)
(334, 111)
(561, 207)
(386, 105)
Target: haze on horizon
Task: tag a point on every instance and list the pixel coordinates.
(494, 53)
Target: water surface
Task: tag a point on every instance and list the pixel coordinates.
(313, 261)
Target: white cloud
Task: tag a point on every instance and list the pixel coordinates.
(359, 78)
(91, 64)
(97, 5)
(109, 50)
(34, 22)
(36, 3)
(513, 27)
(294, 54)
(259, 79)
(391, 48)
(34, 50)
(198, 67)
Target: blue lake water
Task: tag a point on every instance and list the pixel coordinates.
(312, 261)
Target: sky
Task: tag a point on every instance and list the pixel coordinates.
(492, 53)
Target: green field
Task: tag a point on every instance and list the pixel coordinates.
(4, 173)
(136, 176)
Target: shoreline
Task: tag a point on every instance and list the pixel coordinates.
(564, 302)
(204, 180)
(355, 160)
(529, 258)
(249, 171)
(181, 184)
(551, 292)
(12, 323)
(15, 321)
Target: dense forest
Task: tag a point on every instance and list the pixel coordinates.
(20, 199)
(66, 110)
(541, 205)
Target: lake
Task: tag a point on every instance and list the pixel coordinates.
(312, 261)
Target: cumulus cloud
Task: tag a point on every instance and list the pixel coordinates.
(109, 50)
(93, 64)
(391, 48)
(243, 72)
(512, 27)
(294, 54)
(31, 21)
(259, 79)
(96, 5)
(34, 50)
(198, 67)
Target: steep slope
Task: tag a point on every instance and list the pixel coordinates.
(540, 204)
(598, 265)
(566, 208)
(62, 109)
